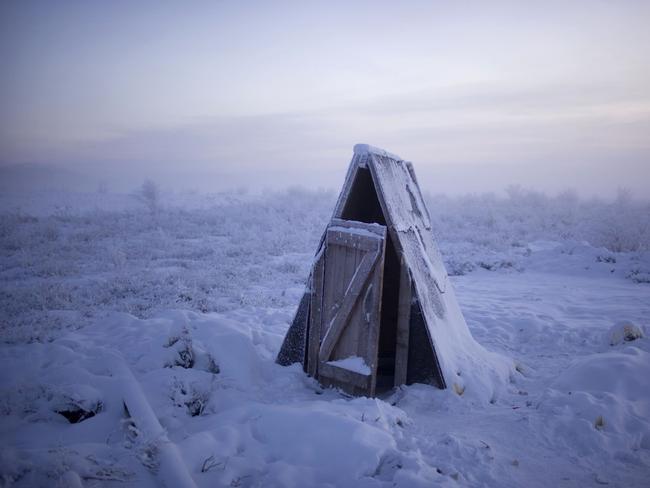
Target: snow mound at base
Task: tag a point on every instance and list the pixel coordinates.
(602, 400)
(235, 416)
(623, 332)
(318, 443)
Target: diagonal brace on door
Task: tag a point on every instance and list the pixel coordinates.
(337, 324)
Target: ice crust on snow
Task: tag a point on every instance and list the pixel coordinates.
(352, 363)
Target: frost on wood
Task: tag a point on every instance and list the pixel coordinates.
(381, 189)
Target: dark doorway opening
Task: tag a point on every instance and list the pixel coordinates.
(363, 206)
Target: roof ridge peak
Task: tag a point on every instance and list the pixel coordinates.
(368, 149)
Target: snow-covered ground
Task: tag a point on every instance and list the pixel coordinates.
(194, 294)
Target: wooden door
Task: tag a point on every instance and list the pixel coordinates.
(346, 305)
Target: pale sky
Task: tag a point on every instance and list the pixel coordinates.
(478, 95)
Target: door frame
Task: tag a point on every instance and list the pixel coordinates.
(367, 279)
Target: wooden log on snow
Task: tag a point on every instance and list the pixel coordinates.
(172, 471)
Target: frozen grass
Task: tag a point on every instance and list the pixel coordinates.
(524, 216)
(490, 232)
(575, 413)
(65, 259)
(63, 268)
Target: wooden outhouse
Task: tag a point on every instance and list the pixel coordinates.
(378, 310)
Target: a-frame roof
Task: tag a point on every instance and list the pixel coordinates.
(460, 358)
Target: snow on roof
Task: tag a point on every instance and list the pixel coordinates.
(463, 361)
(368, 149)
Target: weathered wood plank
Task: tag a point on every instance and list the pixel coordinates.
(351, 296)
(403, 320)
(338, 275)
(344, 376)
(359, 325)
(315, 315)
(336, 279)
(378, 229)
(355, 241)
(347, 343)
(415, 240)
(372, 312)
(390, 225)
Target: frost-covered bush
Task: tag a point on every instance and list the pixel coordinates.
(524, 216)
(63, 269)
(623, 225)
(67, 259)
(149, 194)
